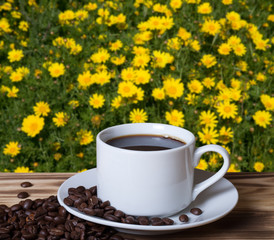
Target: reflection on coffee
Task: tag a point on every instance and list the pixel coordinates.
(145, 142)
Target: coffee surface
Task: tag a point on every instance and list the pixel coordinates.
(145, 142)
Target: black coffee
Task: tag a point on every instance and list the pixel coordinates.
(145, 142)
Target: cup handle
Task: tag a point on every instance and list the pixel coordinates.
(198, 188)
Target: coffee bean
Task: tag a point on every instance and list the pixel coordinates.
(68, 201)
(26, 184)
(27, 204)
(119, 213)
(130, 220)
(142, 220)
(196, 211)
(111, 218)
(168, 221)
(22, 195)
(183, 218)
(156, 221)
(15, 207)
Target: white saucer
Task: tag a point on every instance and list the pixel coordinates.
(215, 202)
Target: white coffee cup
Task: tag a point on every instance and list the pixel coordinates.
(151, 183)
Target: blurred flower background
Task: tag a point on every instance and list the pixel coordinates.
(69, 69)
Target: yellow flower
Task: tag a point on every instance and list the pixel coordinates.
(158, 93)
(191, 99)
(22, 170)
(96, 120)
(24, 26)
(175, 4)
(208, 119)
(138, 116)
(12, 149)
(233, 41)
(41, 109)
(224, 49)
(227, 2)
(258, 166)
(239, 49)
(233, 168)
(161, 59)
(226, 135)
(270, 18)
(195, 86)
(141, 60)
(102, 77)
(12, 92)
(101, 56)
(126, 89)
(209, 82)
(60, 119)
(57, 69)
(57, 156)
(116, 102)
(205, 8)
(15, 55)
(175, 118)
(74, 103)
(267, 101)
(114, 46)
(260, 77)
(85, 137)
(203, 165)
(183, 34)
(262, 118)
(209, 60)
(227, 110)
(4, 25)
(85, 79)
(208, 135)
(142, 76)
(174, 88)
(128, 74)
(16, 76)
(97, 100)
(32, 125)
(211, 27)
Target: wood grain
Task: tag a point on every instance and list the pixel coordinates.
(252, 218)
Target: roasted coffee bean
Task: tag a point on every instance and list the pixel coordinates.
(131, 220)
(26, 184)
(119, 213)
(142, 220)
(105, 204)
(183, 218)
(89, 211)
(27, 204)
(196, 211)
(80, 189)
(156, 221)
(108, 208)
(112, 218)
(22, 195)
(168, 221)
(15, 207)
(68, 201)
(99, 212)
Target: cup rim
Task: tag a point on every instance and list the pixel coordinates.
(104, 131)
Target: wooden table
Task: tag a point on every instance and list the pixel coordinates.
(252, 218)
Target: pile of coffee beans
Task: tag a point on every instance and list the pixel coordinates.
(43, 219)
(86, 201)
